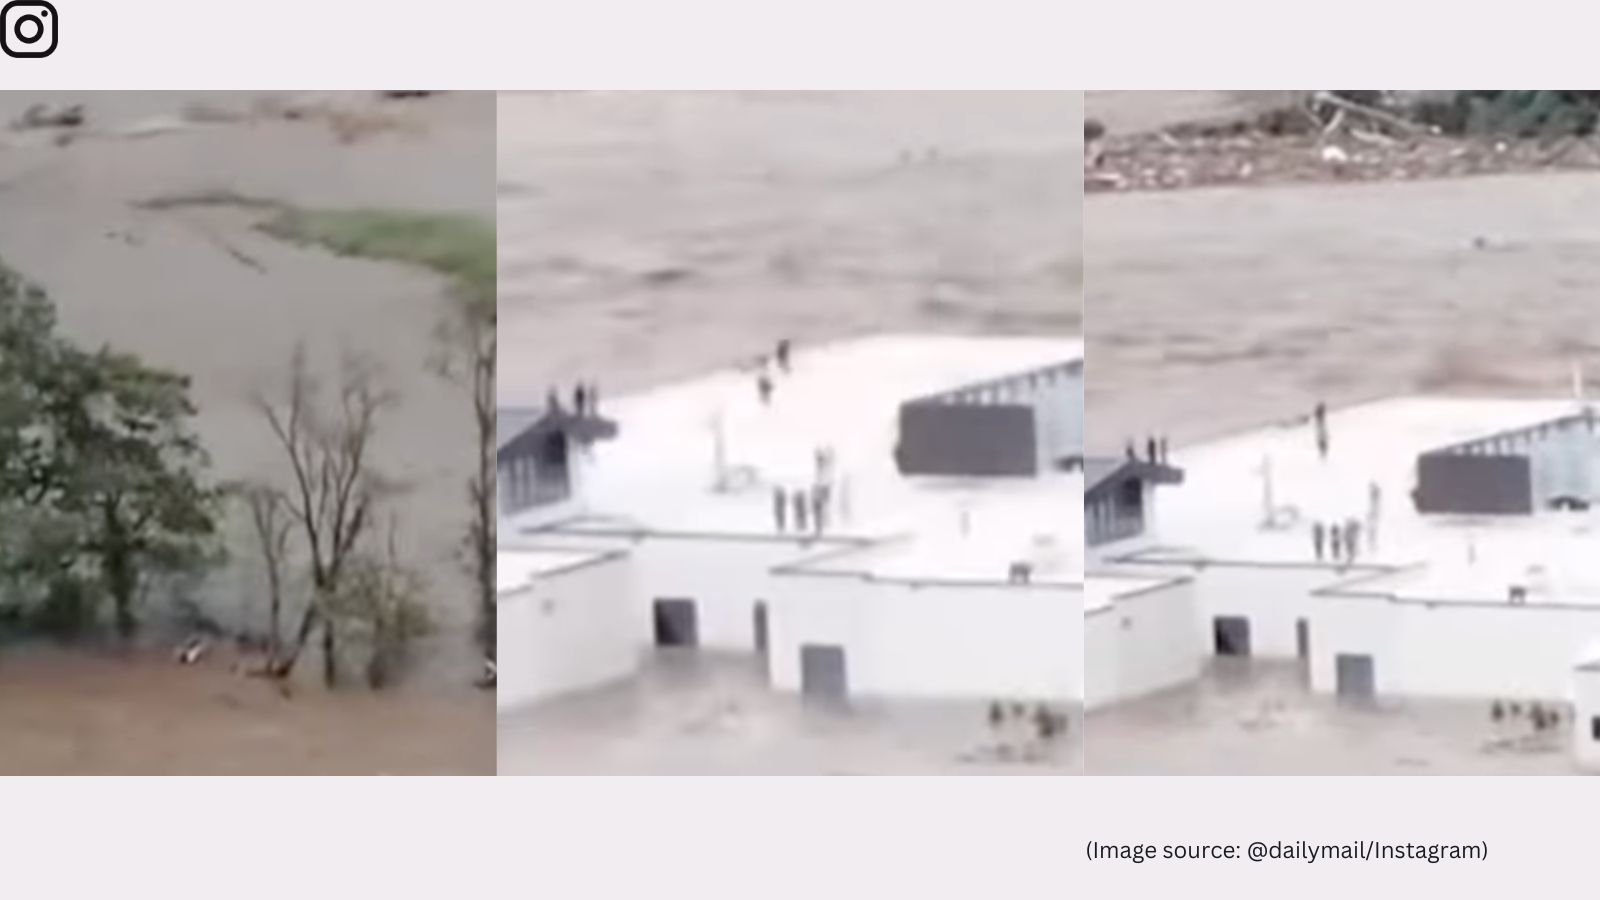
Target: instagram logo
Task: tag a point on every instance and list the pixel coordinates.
(28, 28)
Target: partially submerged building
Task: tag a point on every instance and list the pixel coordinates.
(1139, 635)
(889, 516)
(570, 611)
(1441, 547)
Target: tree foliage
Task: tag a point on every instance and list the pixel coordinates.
(1510, 114)
(380, 608)
(101, 479)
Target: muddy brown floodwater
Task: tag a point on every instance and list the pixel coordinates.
(714, 715)
(651, 236)
(87, 713)
(1221, 308)
(203, 292)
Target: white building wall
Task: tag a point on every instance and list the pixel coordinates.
(725, 578)
(1454, 650)
(568, 631)
(1360, 626)
(1273, 598)
(1101, 652)
(1142, 643)
(978, 641)
(1586, 717)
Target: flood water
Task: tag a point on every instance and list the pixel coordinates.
(702, 714)
(200, 291)
(646, 237)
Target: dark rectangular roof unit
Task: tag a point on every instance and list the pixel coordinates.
(1474, 484)
(959, 440)
(1496, 474)
(984, 429)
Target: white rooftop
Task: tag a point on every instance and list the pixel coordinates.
(661, 472)
(518, 568)
(1589, 658)
(974, 530)
(1217, 513)
(1101, 590)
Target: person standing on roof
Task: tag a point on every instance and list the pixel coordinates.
(1320, 420)
(819, 507)
(1374, 510)
(782, 355)
(780, 509)
(801, 508)
(1335, 541)
(824, 464)
(1317, 537)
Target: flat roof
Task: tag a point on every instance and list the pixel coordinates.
(1589, 659)
(1101, 590)
(520, 567)
(974, 530)
(1217, 514)
(660, 473)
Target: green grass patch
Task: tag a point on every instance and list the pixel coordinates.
(459, 247)
(204, 198)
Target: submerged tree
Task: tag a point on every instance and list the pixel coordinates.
(29, 350)
(127, 468)
(270, 521)
(379, 605)
(468, 358)
(334, 490)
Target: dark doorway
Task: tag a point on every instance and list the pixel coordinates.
(553, 453)
(1354, 677)
(1231, 635)
(760, 624)
(677, 623)
(1302, 638)
(1130, 504)
(823, 675)
(552, 479)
